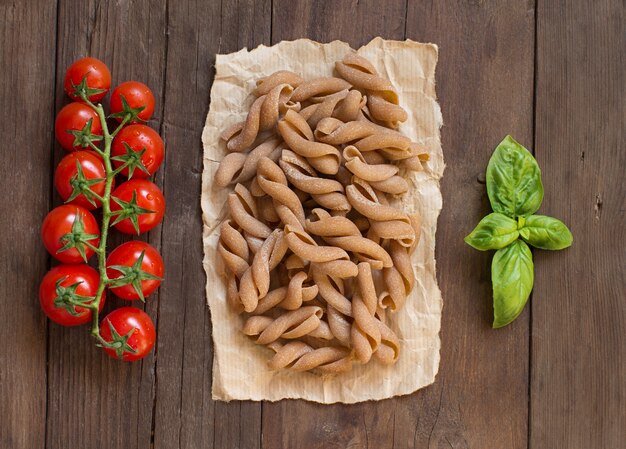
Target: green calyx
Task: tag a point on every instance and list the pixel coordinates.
(119, 343)
(515, 192)
(78, 238)
(129, 210)
(128, 113)
(82, 90)
(82, 186)
(133, 275)
(132, 160)
(68, 299)
(84, 138)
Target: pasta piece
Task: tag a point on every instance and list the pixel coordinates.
(332, 290)
(389, 348)
(355, 162)
(319, 87)
(290, 325)
(242, 208)
(365, 332)
(340, 325)
(325, 192)
(264, 85)
(382, 98)
(297, 134)
(299, 356)
(239, 167)
(233, 248)
(304, 246)
(342, 233)
(273, 182)
(263, 115)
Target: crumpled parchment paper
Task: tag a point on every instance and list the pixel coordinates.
(239, 365)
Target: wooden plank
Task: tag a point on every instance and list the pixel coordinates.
(27, 49)
(295, 424)
(485, 88)
(579, 314)
(185, 415)
(95, 401)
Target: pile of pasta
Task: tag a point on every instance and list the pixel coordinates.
(315, 255)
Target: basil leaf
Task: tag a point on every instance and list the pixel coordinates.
(546, 232)
(512, 278)
(495, 231)
(513, 180)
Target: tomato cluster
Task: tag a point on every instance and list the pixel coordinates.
(71, 293)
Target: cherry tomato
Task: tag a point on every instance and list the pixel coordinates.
(70, 226)
(137, 95)
(138, 138)
(66, 177)
(144, 275)
(98, 77)
(118, 324)
(74, 117)
(75, 280)
(135, 198)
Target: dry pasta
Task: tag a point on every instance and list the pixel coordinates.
(314, 253)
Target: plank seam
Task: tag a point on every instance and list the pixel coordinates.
(530, 303)
(51, 200)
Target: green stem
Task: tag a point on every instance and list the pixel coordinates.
(106, 217)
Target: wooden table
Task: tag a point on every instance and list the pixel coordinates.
(550, 72)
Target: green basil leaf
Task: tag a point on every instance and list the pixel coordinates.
(546, 232)
(512, 278)
(513, 180)
(495, 231)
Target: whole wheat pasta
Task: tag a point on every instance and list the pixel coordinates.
(355, 162)
(290, 325)
(315, 254)
(242, 208)
(273, 182)
(382, 97)
(263, 115)
(233, 248)
(328, 193)
(319, 87)
(298, 136)
(264, 85)
(240, 167)
(299, 356)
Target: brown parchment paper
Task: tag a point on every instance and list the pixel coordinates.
(239, 366)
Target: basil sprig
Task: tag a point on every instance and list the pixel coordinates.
(515, 192)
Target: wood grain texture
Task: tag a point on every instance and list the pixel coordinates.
(27, 108)
(110, 403)
(58, 391)
(485, 88)
(185, 415)
(578, 388)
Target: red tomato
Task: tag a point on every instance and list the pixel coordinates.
(87, 279)
(145, 276)
(137, 198)
(74, 117)
(132, 329)
(66, 177)
(98, 77)
(137, 95)
(70, 226)
(138, 138)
